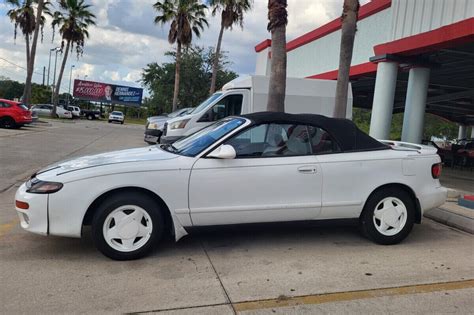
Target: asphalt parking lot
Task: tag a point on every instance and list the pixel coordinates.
(279, 268)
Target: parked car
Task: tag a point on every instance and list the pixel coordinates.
(13, 114)
(117, 117)
(465, 153)
(445, 153)
(47, 109)
(75, 110)
(262, 167)
(154, 125)
(91, 114)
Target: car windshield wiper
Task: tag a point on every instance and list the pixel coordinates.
(169, 147)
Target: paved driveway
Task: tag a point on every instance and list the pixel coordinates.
(277, 268)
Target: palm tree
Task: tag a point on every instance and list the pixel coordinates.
(23, 16)
(73, 21)
(232, 12)
(277, 21)
(187, 17)
(349, 18)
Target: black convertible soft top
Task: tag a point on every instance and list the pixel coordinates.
(344, 131)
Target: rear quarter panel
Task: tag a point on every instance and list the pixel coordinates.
(350, 178)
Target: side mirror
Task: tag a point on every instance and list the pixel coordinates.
(225, 151)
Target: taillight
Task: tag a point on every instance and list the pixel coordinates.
(436, 170)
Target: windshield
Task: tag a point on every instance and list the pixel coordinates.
(204, 104)
(117, 113)
(197, 142)
(23, 106)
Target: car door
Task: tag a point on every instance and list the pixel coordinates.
(346, 175)
(274, 177)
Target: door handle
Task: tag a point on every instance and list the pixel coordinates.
(307, 169)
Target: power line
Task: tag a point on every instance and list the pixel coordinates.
(21, 67)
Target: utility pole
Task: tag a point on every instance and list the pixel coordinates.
(44, 73)
(57, 49)
(49, 62)
(70, 79)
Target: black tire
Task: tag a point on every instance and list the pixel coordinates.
(121, 122)
(366, 221)
(7, 122)
(112, 203)
(89, 117)
(57, 116)
(110, 121)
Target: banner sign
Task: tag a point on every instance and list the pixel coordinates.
(107, 93)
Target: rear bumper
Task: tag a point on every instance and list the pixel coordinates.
(24, 121)
(433, 199)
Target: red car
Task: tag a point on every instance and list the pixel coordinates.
(13, 114)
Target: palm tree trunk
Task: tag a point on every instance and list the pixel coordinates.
(25, 89)
(32, 55)
(348, 30)
(61, 72)
(176, 77)
(216, 61)
(277, 87)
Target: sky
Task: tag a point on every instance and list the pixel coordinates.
(125, 40)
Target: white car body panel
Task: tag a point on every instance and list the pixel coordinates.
(207, 191)
(219, 201)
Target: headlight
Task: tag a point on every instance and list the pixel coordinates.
(36, 186)
(180, 124)
(153, 126)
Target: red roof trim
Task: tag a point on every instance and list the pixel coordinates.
(366, 10)
(446, 36)
(355, 71)
(265, 44)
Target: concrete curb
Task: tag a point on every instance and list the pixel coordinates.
(452, 219)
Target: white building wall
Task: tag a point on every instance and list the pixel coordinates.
(411, 17)
(322, 55)
(263, 62)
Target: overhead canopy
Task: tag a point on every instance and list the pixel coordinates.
(344, 131)
(451, 89)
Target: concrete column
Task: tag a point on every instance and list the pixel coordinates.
(462, 133)
(384, 93)
(415, 104)
(472, 132)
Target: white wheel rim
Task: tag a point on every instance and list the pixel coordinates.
(127, 228)
(390, 216)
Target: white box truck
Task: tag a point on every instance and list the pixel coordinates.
(249, 94)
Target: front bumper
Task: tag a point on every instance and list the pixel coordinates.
(35, 218)
(169, 139)
(153, 135)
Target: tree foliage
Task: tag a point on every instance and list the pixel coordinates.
(434, 125)
(196, 71)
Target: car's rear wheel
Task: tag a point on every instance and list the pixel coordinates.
(7, 122)
(127, 226)
(388, 216)
(89, 117)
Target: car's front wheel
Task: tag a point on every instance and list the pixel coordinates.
(388, 216)
(127, 226)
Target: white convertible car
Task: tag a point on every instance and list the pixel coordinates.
(263, 167)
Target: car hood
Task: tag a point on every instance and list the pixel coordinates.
(124, 156)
